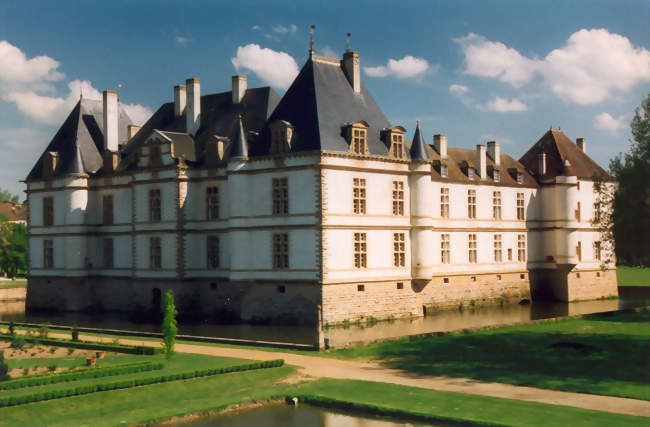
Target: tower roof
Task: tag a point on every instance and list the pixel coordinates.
(239, 144)
(418, 149)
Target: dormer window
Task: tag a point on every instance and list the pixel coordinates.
(470, 173)
(50, 160)
(444, 171)
(520, 178)
(154, 156)
(281, 133)
(357, 137)
(496, 175)
(394, 140)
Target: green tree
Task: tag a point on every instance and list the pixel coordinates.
(4, 367)
(6, 196)
(169, 327)
(631, 223)
(13, 248)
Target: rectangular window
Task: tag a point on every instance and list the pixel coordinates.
(596, 212)
(108, 253)
(498, 251)
(212, 203)
(358, 141)
(48, 211)
(48, 254)
(155, 253)
(520, 178)
(107, 210)
(280, 196)
(445, 252)
(281, 251)
(360, 251)
(444, 202)
(496, 205)
(471, 204)
(597, 251)
(496, 174)
(579, 251)
(470, 174)
(397, 146)
(444, 171)
(577, 212)
(471, 239)
(521, 247)
(399, 250)
(154, 205)
(509, 254)
(520, 206)
(398, 198)
(212, 247)
(359, 196)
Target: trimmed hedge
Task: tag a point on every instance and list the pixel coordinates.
(133, 382)
(87, 345)
(81, 375)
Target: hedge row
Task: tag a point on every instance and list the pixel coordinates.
(87, 345)
(134, 382)
(81, 375)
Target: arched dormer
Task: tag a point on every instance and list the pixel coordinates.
(394, 140)
(50, 160)
(281, 134)
(357, 136)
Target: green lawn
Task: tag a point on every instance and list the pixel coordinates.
(600, 354)
(632, 276)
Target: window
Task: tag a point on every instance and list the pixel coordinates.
(399, 250)
(212, 203)
(577, 212)
(444, 202)
(360, 250)
(398, 198)
(155, 253)
(359, 196)
(48, 211)
(154, 205)
(597, 251)
(400, 285)
(282, 289)
(471, 204)
(154, 156)
(521, 247)
(470, 174)
(471, 238)
(496, 204)
(498, 244)
(212, 246)
(48, 254)
(444, 171)
(358, 144)
(108, 253)
(596, 212)
(579, 251)
(496, 175)
(361, 288)
(281, 133)
(397, 146)
(281, 251)
(509, 254)
(520, 206)
(520, 178)
(107, 210)
(280, 196)
(445, 253)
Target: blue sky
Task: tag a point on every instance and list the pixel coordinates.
(475, 70)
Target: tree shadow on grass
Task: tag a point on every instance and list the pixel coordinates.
(642, 317)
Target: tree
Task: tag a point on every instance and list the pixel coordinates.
(169, 328)
(6, 196)
(631, 223)
(13, 248)
(4, 367)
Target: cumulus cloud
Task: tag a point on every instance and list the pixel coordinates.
(278, 69)
(592, 66)
(458, 90)
(503, 105)
(605, 121)
(16, 71)
(407, 67)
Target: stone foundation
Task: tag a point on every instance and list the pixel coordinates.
(574, 285)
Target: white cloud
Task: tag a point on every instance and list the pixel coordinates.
(293, 28)
(458, 90)
(407, 67)
(329, 52)
(275, 68)
(605, 121)
(591, 67)
(181, 41)
(15, 68)
(503, 105)
(280, 29)
(24, 140)
(256, 28)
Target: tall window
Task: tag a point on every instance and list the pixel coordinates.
(48, 254)
(496, 204)
(597, 251)
(399, 250)
(471, 238)
(496, 175)
(470, 174)
(521, 247)
(471, 204)
(154, 156)
(212, 203)
(444, 171)
(398, 198)
(107, 210)
(520, 178)
(48, 211)
(445, 253)
(280, 196)
(397, 146)
(108, 253)
(358, 141)
(577, 212)
(359, 196)
(444, 202)
(155, 253)
(520, 206)
(281, 251)
(498, 252)
(154, 205)
(579, 251)
(360, 250)
(596, 212)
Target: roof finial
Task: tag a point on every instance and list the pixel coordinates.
(418, 123)
(311, 40)
(347, 42)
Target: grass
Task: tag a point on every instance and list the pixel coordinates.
(599, 354)
(632, 276)
(12, 283)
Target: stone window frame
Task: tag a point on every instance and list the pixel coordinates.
(281, 133)
(212, 261)
(397, 145)
(280, 249)
(471, 173)
(398, 198)
(48, 253)
(496, 175)
(358, 137)
(445, 249)
(472, 248)
(444, 170)
(496, 205)
(498, 248)
(359, 196)
(108, 252)
(48, 211)
(471, 203)
(521, 202)
(444, 202)
(212, 203)
(155, 205)
(360, 250)
(521, 247)
(520, 178)
(155, 253)
(280, 196)
(399, 249)
(108, 210)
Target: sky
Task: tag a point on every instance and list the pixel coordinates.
(474, 70)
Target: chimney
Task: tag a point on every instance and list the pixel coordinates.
(582, 144)
(351, 69)
(110, 120)
(239, 86)
(131, 130)
(193, 110)
(440, 142)
(481, 161)
(494, 151)
(180, 100)
(541, 169)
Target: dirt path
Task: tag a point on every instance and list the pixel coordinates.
(371, 371)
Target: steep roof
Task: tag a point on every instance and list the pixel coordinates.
(559, 148)
(319, 103)
(418, 149)
(240, 145)
(79, 141)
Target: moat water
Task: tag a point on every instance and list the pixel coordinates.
(438, 321)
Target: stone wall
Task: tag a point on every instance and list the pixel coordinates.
(12, 292)
(574, 285)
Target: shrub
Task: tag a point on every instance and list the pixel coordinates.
(12, 327)
(4, 367)
(42, 332)
(74, 332)
(169, 328)
(18, 342)
(52, 368)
